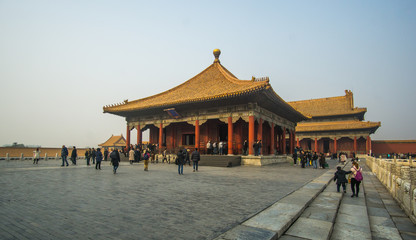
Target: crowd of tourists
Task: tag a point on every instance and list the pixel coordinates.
(217, 148)
(306, 158)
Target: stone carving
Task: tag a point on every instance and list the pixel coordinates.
(399, 182)
(406, 187)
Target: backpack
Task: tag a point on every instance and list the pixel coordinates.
(358, 176)
(146, 156)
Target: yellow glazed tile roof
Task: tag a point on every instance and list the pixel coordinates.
(215, 82)
(332, 106)
(114, 141)
(335, 126)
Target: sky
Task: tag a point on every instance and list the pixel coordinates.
(62, 61)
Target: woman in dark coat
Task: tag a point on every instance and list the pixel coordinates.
(341, 179)
(115, 159)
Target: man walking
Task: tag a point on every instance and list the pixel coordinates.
(64, 155)
(195, 159)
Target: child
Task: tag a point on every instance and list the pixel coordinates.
(340, 178)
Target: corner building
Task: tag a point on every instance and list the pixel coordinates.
(214, 106)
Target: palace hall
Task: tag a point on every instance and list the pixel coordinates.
(335, 125)
(214, 106)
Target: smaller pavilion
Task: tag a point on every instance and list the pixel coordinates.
(114, 142)
(335, 125)
(214, 106)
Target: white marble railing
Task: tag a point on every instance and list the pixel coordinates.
(399, 177)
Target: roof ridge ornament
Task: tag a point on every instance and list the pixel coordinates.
(217, 53)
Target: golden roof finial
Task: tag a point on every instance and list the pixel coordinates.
(217, 53)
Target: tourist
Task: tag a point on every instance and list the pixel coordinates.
(220, 146)
(87, 156)
(295, 157)
(180, 160)
(36, 156)
(131, 155)
(303, 158)
(105, 154)
(115, 159)
(164, 156)
(209, 148)
(256, 147)
(146, 156)
(187, 157)
(315, 160)
(259, 145)
(322, 161)
(245, 147)
(74, 156)
(343, 158)
(215, 146)
(64, 155)
(341, 179)
(93, 155)
(195, 159)
(356, 178)
(99, 158)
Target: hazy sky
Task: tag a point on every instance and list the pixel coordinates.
(62, 61)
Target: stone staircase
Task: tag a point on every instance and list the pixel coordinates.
(318, 211)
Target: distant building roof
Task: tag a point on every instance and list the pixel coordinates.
(336, 126)
(114, 141)
(331, 106)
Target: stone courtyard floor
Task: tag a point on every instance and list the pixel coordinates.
(46, 201)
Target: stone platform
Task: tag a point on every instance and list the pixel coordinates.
(265, 160)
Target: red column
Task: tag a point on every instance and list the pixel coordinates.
(368, 144)
(316, 145)
(335, 145)
(250, 134)
(355, 144)
(272, 144)
(128, 137)
(297, 142)
(230, 135)
(284, 141)
(197, 134)
(260, 134)
(291, 141)
(139, 135)
(160, 135)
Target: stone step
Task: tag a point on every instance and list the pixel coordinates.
(272, 222)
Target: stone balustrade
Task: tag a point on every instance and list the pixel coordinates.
(399, 177)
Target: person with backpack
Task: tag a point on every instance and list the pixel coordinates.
(146, 156)
(341, 179)
(356, 178)
(64, 155)
(115, 159)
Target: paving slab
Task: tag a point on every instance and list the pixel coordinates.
(349, 231)
(308, 228)
(247, 233)
(276, 218)
(385, 233)
(404, 224)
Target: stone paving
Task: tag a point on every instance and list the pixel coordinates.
(47, 201)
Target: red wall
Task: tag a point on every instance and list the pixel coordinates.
(384, 147)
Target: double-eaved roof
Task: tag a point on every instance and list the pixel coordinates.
(333, 114)
(213, 84)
